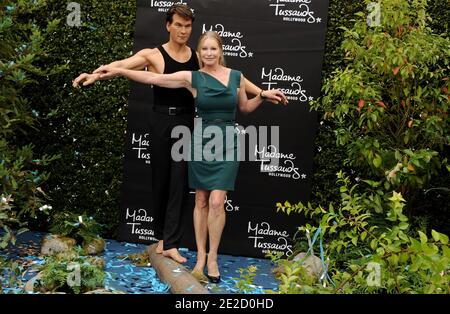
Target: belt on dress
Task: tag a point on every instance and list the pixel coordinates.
(172, 110)
(217, 120)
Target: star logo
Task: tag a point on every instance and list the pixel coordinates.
(310, 98)
(318, 20)
(250, 54)
(303, 176)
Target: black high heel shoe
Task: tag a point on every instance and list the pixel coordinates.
(213, 279)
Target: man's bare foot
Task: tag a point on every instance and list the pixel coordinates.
(173, 254)
(159, 248)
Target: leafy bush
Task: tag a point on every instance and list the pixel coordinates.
(387, 104)
(368, 254)
(390, 102)
(79, 227)
(21, 172)
(88, 125)
(70, 274)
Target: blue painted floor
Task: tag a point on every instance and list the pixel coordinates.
(123, 276)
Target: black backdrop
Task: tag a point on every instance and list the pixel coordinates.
(276, 44)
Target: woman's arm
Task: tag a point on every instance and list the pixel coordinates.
(275, 98)
(248, 105)
(175, 80)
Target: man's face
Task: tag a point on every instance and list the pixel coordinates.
(180, 29)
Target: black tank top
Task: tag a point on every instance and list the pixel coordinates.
(178, 97)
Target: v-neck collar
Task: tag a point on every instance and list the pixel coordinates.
(229, 78)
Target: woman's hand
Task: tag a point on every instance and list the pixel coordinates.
(107, 72)
(275, 96)
(86, 79)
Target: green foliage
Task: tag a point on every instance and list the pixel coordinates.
(88, 125)
(295, 278)
(79, 227)
(440, 16)
(10, 271)
(389, 103)
(71, 275)
(359, 242)
(21, 173)
(245, 281)
(431, 209)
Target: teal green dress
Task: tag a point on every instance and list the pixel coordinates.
(214, 159)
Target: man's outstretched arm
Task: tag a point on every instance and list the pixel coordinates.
(138, 61)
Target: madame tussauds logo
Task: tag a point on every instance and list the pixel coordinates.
(141, 144)
(284, 165)
(232, 41)
(163, 6)
(295, 11)
(290, 85)
(138, 217)
(268, 239)
(227, 204)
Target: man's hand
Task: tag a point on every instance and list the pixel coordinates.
(85, 79)
(275, 96)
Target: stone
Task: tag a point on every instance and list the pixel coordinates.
(97, 261)
(311, 263)
(95, 246)
(53, 244)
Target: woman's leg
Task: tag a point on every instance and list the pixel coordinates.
(216, 223)
(201, 227)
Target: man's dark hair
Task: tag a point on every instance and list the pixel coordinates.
(180, 9)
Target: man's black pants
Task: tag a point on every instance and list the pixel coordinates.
(170, 189)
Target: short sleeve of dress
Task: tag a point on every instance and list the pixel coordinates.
(237, 77)
(194, 79)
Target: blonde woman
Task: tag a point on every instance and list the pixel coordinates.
(219, 91)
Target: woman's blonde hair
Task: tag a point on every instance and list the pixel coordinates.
(216, 37)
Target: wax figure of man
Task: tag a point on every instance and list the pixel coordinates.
(172, 107)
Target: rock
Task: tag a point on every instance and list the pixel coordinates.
(67, 255)
(311, 263)
(97, 261)
(95, 246)
(53, 244)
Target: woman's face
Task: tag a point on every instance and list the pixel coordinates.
(210, 52)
